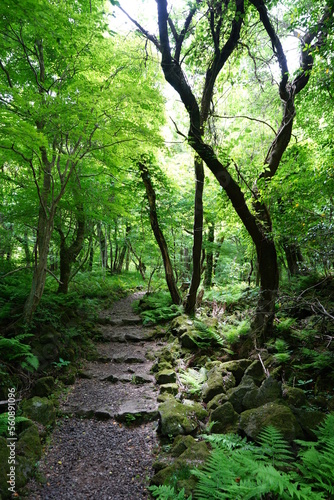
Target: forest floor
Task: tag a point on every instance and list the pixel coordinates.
(98, 450)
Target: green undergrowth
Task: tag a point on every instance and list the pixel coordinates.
(157, 307)
(241, 469)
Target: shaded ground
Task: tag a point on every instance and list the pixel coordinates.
(94, 452)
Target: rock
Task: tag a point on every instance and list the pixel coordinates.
(166, 376)
(137, 411)
(237, 367)
(189, 340)
(169, 388)
(294, 396)
(43, 387)
(28, 452)
(280, 416)
(128, 358)
(180, 444)
(177, 418)
(138, 379)
(245, 390)
(270, 390)
(181, 324)
(225, 419)
(217, 401)
(40, 410)
(4, 469)
(218, 381)
(309, 420)
(255, 370)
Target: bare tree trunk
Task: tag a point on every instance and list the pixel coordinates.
(198, 237)
(68, 254)
(209, 257)
(169, 273)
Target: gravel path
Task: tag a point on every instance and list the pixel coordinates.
(93, 455)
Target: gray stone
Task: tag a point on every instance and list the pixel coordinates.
(137, 411)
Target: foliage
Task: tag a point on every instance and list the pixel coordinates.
(193, 379)
(163, 492)
(4, 422)
(13, 350)
(238, 469)
(157, 307)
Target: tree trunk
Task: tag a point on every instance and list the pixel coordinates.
(198, 237)
(123, 251)
(69, 254)
(293, 257)
(170, 279)
(44, 233)
(209, 257)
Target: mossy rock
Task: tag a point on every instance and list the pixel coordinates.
(4, 469)
(270, 390)
(190, 340)
(255, 370)
(218, 381)
(225, 419)
(181, 324)
(172, 389)
(166, 376)
(237, 367)
(181, 443)
(43, 387)
(29, 451)
(280, 416)
(40, 410)
(161, 365)
(293, 396)
(217, 401)
(309, 420)
(246, 389)
(177, 418)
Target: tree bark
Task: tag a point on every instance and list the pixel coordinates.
(68, 254)
(160, 239)
(198, 238)
(209, 257)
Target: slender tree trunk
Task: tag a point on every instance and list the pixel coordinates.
(123, 251)
(68, 254)
(169, 273)
(44, 233)
(198, 237)
(209, 256)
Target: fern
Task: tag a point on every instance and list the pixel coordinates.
(13, 349)
(193, 379)
(167, 493)
(273, 447)
(4, 422)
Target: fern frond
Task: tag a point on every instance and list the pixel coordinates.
(164, 492)
(274, 447)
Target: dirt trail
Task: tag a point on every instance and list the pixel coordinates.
(93, 453)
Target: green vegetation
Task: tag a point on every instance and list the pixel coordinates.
(216, 202)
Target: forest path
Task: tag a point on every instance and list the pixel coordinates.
(94, 453)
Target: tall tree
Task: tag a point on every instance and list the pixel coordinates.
(215, 52)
